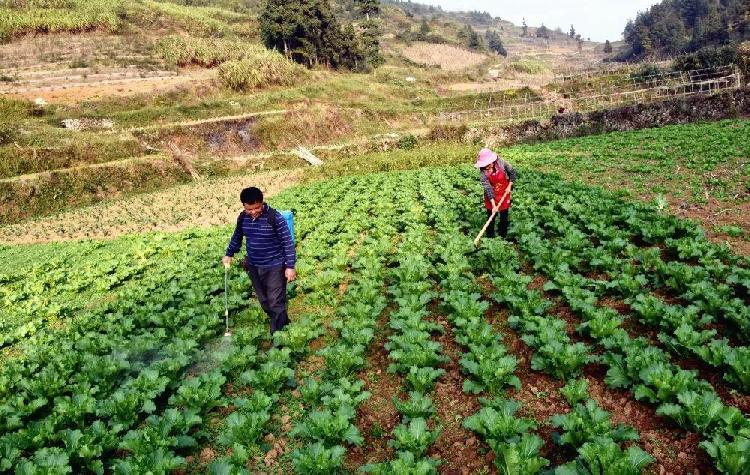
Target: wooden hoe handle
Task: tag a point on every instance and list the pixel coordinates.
(492, 216)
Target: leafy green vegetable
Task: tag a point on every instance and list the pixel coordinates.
(317, 459)
(519, 457)
(577, 390)
(329, 426)
(418, 405)
(588, 421)
(414, 437)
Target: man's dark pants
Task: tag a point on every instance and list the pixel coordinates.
(270, 287)
(501, 220)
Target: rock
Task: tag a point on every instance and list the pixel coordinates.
(489, 457)
(471, 441)
(662, 470)
(285, 419)
(682, 455)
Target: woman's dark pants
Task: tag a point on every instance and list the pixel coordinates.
(502, 222)
(270, 287)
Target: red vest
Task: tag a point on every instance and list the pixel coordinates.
(499, 181)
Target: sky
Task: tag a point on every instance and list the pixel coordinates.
(596, 19)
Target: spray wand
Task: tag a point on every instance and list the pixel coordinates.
(227, 333)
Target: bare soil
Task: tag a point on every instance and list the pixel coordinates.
(377, 416)
(459, 449)
(714, 376)
(675, 450)
(718, 213)
(74, 93)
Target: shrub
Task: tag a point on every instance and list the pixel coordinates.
(645, 72)
(447, 132)
(709, 57)
(528, 67)
(743, 59)
(261, 69)
(208, 52)
(407, 142)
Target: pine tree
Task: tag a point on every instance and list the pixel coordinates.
(424, 30)
(371, 45)
(607, 47)
(494, 43)
(473, 41)
(368, 7)
(542, 32)
(572, 32)
(525, 28)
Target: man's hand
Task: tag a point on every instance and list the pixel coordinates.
(290, 275)
(227, 261)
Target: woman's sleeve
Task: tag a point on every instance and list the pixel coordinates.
(509, 170)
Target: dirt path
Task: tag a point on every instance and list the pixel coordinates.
(76, 92)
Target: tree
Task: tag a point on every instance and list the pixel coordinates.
(572, 33)
(307, 32)
(371, 45)
(367, 7)
(685, 26)
(607, 47)
(473, 41)
(542, 32)
(494, 43)
(370, 38)
(424, 30)
(525, 28)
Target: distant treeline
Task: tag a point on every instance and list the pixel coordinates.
(675, 27)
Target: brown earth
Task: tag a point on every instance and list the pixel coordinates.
(459, 449)
(721, 213)
(714, 376)
(377, 416)
(76, 93)
(539, 394)
(675, 450)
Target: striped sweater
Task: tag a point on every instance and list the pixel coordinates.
(265, 248)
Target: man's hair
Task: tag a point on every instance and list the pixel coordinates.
(251, 196)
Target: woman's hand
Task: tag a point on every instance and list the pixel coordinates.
(290, 275)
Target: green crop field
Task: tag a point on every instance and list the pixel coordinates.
(604, 334)
(609, 334)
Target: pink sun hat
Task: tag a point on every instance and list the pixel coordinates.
(486, 156)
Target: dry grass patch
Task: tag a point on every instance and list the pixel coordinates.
(447, 57)
(199, 204)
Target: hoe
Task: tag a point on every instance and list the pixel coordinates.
(492, 216)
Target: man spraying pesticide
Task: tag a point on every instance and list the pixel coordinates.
(497, 177)
(271, 255)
